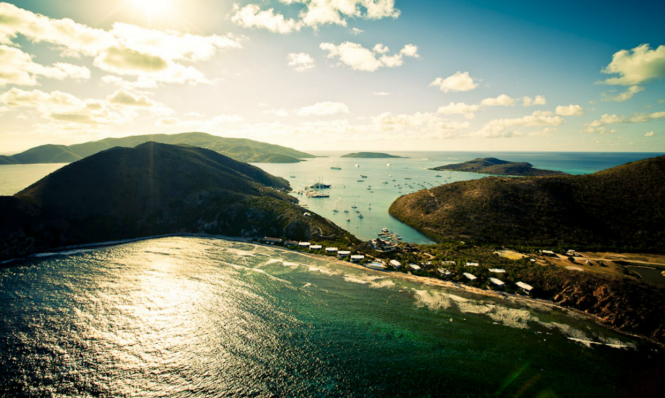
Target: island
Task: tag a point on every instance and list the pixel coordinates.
(240, 149)
(496, 166)
(153, 189)
(371, 155)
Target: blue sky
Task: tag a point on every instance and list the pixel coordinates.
(337, 74)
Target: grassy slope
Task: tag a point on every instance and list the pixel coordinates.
(619, 208)
(237, 148)
(148, 190)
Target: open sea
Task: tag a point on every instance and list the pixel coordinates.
(201, 317)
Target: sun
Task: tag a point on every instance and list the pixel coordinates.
(153, 7)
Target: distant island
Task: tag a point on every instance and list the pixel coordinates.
(370, 155)
(153, 189)
(240, 149)
(499, 167)
(620, 208)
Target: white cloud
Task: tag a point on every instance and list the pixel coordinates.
(382, 94)
(569, 110)
(360, 58)
(598, 125)
(323, 109)
(506, 128)
(539, 100)
(457, 82)
(17, 67)
(639, 65)
(649, 134)
(314, 13)
(623, 96)
(125, 49)
(300, 61)
(501, 100)
(356, 31)
(251, 16)
(459, 108)
(380, 49)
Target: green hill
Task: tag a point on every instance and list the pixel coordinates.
(240, 149)
(499, 167)
(370, 155)
(622, 208)
(152, 189)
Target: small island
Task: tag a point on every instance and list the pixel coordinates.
(496, 166)
(371, 155)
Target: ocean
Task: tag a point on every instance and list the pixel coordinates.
(200, 317)
(387, 179)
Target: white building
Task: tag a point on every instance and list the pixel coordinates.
(469, 276)
(472, 264)
(414, 267)
(497, 282)
(525, 287)
(498, 270)
(356, 258)
(343, 253)
(331, 250)
(395, 264)
(316, 247)
(303, 244)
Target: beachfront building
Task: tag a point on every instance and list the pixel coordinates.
(376, 265)
(469, 276)
(331, 250)
(414, 267)
(498, 270)
(395, 264)
(291, 243)
(498, 283)
(315, 247)
(343, 253)
(382, 245)
(548, 253)
(356, 258)
(448, 263)
(472, 264)
(304, 245)
(271, 241)
(444, 272)
(526, 288)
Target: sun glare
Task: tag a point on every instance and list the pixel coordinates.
(153, 7)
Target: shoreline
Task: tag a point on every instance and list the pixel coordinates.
(429, 281)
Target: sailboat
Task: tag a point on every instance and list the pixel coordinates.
(357, 165)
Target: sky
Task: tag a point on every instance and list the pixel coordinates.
(337, 74)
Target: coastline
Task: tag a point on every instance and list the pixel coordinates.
(428, 281)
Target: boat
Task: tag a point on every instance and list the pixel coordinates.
(346, 211)
(354, 207)
(362, 176)
(437, 176)
(385, 230)
(317, 195)
(293, 177)
(360, 216)
(357, 165)
(335, 210)
(320, 185)
(335, 168)
(388, 164)
(361, 180)
(348, 219)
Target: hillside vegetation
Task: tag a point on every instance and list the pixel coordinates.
(370, 155)
(622, 208)
(240, 149)
(499, 167)
(152, 189)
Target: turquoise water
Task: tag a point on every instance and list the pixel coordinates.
(205, 317)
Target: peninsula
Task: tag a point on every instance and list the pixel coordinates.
(496, 166)
(620, 208)
(153, 189)
(371, 155)
(240, 149)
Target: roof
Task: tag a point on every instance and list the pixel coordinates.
(524, 286)
(376, 265)
(444, 271)
(497, 270)
(272, 239)
(469, 276)
(357, 256)
(497, 282)
(395, 263)
(448, 263)
(303, 243)
(414, 267)
(472, 264)
(316, 247)
(344, 252)
(331, 249)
